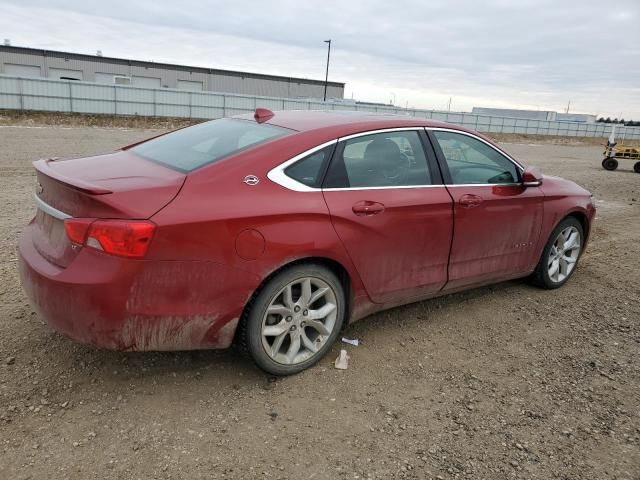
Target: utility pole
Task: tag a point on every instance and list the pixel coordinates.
(326, 77)
(449, 106)
(568, 105)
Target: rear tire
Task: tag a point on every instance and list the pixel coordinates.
(636, 167)
(558, 262)
(609, 163)
(293, 320)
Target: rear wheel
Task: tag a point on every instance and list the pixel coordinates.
(294, 319)
(560, 255)
(609, 163)
(636, 167)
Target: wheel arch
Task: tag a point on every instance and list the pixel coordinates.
(584, 222)
(333, 265)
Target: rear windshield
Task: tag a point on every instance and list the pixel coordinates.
(208, 142)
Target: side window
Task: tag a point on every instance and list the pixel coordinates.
(472, 161)
(309, 169)
(392, 159)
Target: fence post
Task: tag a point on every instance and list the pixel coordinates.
(224, 106)
(20, 93)
(155, 103)
(115, 100)
(190, 102)
(70, 97)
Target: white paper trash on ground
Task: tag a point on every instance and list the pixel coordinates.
(342, 362)
(351, 341)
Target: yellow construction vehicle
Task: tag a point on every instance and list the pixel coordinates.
(613, 152)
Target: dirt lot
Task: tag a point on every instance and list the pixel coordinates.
(501, 382)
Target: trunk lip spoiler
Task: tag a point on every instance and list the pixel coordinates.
(46, 208)
(43, 167)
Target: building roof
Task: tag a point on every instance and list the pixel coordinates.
(170, 66)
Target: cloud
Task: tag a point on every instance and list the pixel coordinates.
(533, 54)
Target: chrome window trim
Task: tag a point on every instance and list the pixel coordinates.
(46, 208)
(382, 130)
(468, 134)
(453, 185)
(278, 176)
(346, 189)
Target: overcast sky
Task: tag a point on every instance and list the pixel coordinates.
(494, 53)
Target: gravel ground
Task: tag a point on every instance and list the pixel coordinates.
(506, 381)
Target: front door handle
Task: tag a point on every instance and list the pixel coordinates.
(470, 201)
(366, 208)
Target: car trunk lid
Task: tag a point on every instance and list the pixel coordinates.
(120, 185)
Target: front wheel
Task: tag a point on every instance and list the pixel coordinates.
(636, 167)
(609, 163)
(294, 319)
(560, 255)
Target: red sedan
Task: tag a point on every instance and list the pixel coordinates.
(275, 231)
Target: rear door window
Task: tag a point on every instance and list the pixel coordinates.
(206, 143)
(389, 159)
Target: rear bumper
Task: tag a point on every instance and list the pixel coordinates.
(123, 304)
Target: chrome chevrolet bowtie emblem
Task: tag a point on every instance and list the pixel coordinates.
(251, 180)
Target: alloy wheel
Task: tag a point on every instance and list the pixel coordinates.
(299, 320)
(564, 254)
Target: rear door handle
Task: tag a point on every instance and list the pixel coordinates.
(470, 201)
(367, 208)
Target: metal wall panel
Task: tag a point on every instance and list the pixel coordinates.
(129, 94)
(103, 107)
(192, 85)
(207, 112)
(10, 101)
(245, 103)
(49, 104)
(59, 73)
(9, 85)
(22, 70)
(99, 92)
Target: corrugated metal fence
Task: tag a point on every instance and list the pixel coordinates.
(21, 93)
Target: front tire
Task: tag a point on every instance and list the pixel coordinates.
(560, 255)
(609, 163)
(636, 167)
(293, 320)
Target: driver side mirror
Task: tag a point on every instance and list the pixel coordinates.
(532, 177)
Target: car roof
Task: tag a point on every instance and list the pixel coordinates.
(347, 122)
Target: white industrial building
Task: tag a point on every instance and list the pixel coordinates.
(31, 62)
(536, 115)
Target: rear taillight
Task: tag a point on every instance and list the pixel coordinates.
(77, 229)
(124, 238)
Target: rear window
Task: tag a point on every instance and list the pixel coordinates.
(206, 143)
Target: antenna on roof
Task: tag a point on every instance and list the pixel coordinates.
(262, 115)
(98, 53)
(7, 42)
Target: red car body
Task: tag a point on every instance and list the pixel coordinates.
(218, 235)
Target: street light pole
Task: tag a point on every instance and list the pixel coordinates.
(326, 77)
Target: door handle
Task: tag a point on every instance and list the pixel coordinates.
(367, 208)
(470, 201)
